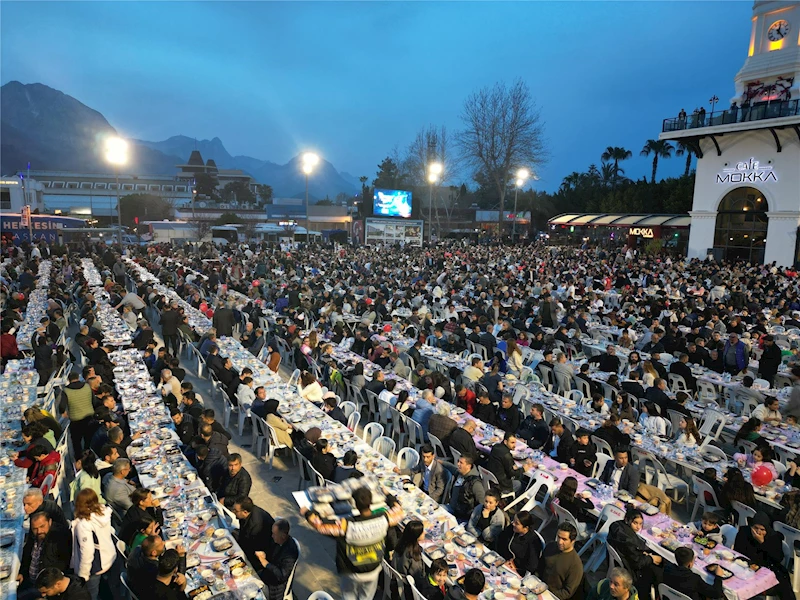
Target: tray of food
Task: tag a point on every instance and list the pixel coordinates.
(722, 572)
(649, 509)
(465, 539)
(745, 564)
(492, 559)
(705, 542)
(319, 495)
(222, 544)
(535, 585)
(670, 544)
(434, 553)
(201, 593)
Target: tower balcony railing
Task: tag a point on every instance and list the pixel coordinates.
(739, 114)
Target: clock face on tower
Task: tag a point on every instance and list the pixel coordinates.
(778, 30)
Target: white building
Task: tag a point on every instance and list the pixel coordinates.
(16, 192)
(747, 188)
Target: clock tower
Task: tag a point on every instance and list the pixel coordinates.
(772, 69)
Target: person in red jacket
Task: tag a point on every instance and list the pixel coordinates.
(465, 398)
(46, 463)
(8, 345)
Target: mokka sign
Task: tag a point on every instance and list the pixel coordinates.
(645, 232)
(747, 172)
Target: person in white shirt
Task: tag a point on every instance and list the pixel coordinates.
(650, 420)
(245, 393)
(768, 412)
(689, 436)
(387, 394)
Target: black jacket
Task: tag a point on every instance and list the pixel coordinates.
(233, 487)
(606, 362)
(485, 412)
(133, 519)
(76, 590)
(502, 466)
(56, 550)
(524, 550)
(631, 548)
(770, 360)
(280, 562)
(142, 572)
(564, 452)
(508, 419)
(462, 442)
(170, 319)
(633, 387)
(686, 581)
(581, 454)
(54, 511)
(659, 397)
(186, 430)
(535, 433)
(255, 533)
(212, 469)
(678, 368)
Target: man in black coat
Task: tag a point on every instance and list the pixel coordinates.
(534, 429)
(52, 543)
(224, 320)
(681, 367)
(211, 465)
(682, 579)
(658, 394)
(461, 440)
(608, 362)
(770, 360)
(632, 386)
(559, 444)
(583, 453)
(52, 583)
(501, 464)
(170, 320)
(279, 562)
(255, 528)
(236, 483)
(508, 416)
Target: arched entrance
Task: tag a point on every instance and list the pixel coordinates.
(741, 231)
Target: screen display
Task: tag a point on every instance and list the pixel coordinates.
(392, 203)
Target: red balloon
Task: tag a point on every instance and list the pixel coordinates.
(203, 307)
(761, 476)
(256, 283)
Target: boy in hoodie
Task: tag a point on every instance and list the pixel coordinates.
(468, 587)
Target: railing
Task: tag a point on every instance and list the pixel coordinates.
(741, 114)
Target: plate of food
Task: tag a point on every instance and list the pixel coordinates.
(492, 559)
(705, 542)
(745, 564)
(624, 496)
(319, 495)
(465, 539)
(670, 544)
(710, 457)
(649, 510)
(435, 553)
(722, 572)
(222, 544)
(201, 593)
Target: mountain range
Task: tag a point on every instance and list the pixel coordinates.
(56, 132)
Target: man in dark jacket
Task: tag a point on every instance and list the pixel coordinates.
(467, 491)
(52, 583)
(681, 367)
(501, 464)
(770, 360)
(508, 416)
(681, 578)
(170, 320)
(658, 394)
(255, 527)
(632, 386)
(278, 561)
(211, 465)
(534, 429)
(184, 425)
(236, 483)
(608, 362)
(143, 505)
(47, 545)
(461, 440)
(559, 444)
(142, 564)
(214, 440)
(620, 473)
(224, 320)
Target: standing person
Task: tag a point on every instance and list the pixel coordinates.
(170, 321)
(467, 491)
(734, 355)
(255, 527)
(76, 403)
(770, 360)
(224, 320)
(360, 543)
(93, 549)
(560, 566)
(47, 545)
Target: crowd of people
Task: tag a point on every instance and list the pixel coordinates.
(453, 296)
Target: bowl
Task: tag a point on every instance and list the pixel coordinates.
(780, 482)
(220, 533)
(237, 572)
(207, 574)
(656, 530)
(563, 467)
(514, 583)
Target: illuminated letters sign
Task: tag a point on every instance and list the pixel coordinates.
(747, 172)
(645, 232)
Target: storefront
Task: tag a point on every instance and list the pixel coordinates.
(636, 230)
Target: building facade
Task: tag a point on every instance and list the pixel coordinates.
(747, 188)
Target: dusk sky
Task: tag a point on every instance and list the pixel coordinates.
(352, 80)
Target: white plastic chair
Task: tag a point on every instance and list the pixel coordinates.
(575, 395)
(610, 514)
(407, 458)
(384, 445)
(601, 445)
(707, 392)
(667, 593)
(564, 516)
(728, 533)
(455, 454)
(601, 459)
(700, 488)
(273, 443)
(712, 424)
(438, 447)
(294, 378)
(543, 484)
(320, 596)
(614, 560)
(348, 408)
(353, 420)
(372, 431)
(744, 512)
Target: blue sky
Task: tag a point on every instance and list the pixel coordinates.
(355, 79)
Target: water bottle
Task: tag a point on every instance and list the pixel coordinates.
(493, 572)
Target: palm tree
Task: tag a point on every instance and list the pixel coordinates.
(659, 149)
(688, 150)
(616, 154)
(609, 174)
(572, 181)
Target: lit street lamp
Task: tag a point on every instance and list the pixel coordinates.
(117, 155)
(522, 175)
(310, 160)
(434, 173)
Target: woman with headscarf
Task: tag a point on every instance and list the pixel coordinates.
(764, 546)
(282, 429)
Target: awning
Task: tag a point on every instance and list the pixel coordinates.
(562, 219)
(679, 222)
(584, 219)
(651, 221)
(606, 220)
(628, 220)
(621, 220)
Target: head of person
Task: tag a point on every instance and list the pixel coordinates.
(51, 582)
(556, 426)
(121, 468)
(483, 397)
(568, 488)
(350, 458)
(582, 436)
(40, 525)
(620, 583)
(523, 522)
(280, 532)
(537, 411)
(566, 536)
(507, 401)
(362, 497)
(234, 464)
(143, 498)
(684, 557)
(428, 455)
(243, 507)
(87, 504)
(473, 582)
(438, 572)
(32, 499)
(709, 521)
(634, 518)
(492, 500)
(465, 464)
(168, 563)
(621, 456)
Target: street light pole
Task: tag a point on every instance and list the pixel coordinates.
(310, 160)
(522, 175)
(434, 172)
(307, 238)
(117, 154)
(119, 210)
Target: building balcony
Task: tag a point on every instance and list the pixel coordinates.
(742, 114)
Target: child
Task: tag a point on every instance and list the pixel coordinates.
(709, 475)
(762, 456)
(433, 588)
(709, 527)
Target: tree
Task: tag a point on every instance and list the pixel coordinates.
(389, 175)
(659, 149)
(264, 193)
(343, 199)
(228, 218)
(616, 154)
(687, 149)
(200, 229)
(238, 191)
(503, 130)
(429, 146)
(609, 174)
(146, 207)
(206, 185)
(365, 207)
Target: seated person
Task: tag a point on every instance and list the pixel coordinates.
(488, 520)
(681, 578)
(646, 565)
(521, 544)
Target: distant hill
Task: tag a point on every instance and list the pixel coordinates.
(54, 131)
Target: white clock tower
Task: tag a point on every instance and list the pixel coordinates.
(746, 203)
(772, 68)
